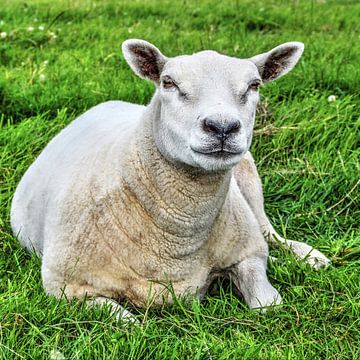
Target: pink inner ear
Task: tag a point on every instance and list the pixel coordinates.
(147, 61)
(276, 62)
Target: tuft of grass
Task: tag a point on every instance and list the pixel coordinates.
(307, 150)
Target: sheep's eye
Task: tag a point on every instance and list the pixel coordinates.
(254, 85)
(168, 83)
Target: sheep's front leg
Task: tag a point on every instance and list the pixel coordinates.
(116, 309)
(55, 284)
(249, 182)
(249, 277)
(302, 251)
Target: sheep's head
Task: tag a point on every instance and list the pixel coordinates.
(208, 100)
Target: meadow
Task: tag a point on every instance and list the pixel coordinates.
(59, 58)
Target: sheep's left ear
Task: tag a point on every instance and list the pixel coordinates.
(278, 61)
(145, 59)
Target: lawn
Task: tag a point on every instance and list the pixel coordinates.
(59, 58)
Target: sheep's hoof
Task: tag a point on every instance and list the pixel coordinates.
(120, 313)
(268, 299)
(307, 253)
(127, 318)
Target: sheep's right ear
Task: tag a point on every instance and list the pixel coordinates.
(145, 59)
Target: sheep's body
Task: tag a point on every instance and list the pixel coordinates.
(128, 199)
(108, 222)
(68, 157)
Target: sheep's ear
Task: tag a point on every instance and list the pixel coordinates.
(278, 61)
(145, 59)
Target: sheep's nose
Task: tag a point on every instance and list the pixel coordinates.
(219, 128)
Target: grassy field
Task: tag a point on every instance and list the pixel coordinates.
(59, 58)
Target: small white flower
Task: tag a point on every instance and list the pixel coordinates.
(42, 78)
(130, 30)
(56, 355)
(52, 36)
(30, 29)
(331, 98)
(41, 28)
(45, 62)
(3, 35)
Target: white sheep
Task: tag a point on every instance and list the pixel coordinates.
(127, 198)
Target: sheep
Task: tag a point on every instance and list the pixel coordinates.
(128, 199)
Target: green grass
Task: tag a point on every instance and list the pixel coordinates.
(306, 148)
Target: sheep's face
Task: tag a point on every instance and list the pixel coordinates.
(208, 100)
(208, 104)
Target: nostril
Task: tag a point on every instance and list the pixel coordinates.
(220, 128)
(212, 126)
(232, 127)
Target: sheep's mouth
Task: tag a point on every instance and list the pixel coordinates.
(220, 154)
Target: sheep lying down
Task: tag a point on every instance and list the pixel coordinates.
(128, 199)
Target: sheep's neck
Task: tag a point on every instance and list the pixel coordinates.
(182, 201)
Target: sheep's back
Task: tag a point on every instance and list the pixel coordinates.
(77, 152)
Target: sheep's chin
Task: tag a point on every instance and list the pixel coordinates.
(216, 161)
